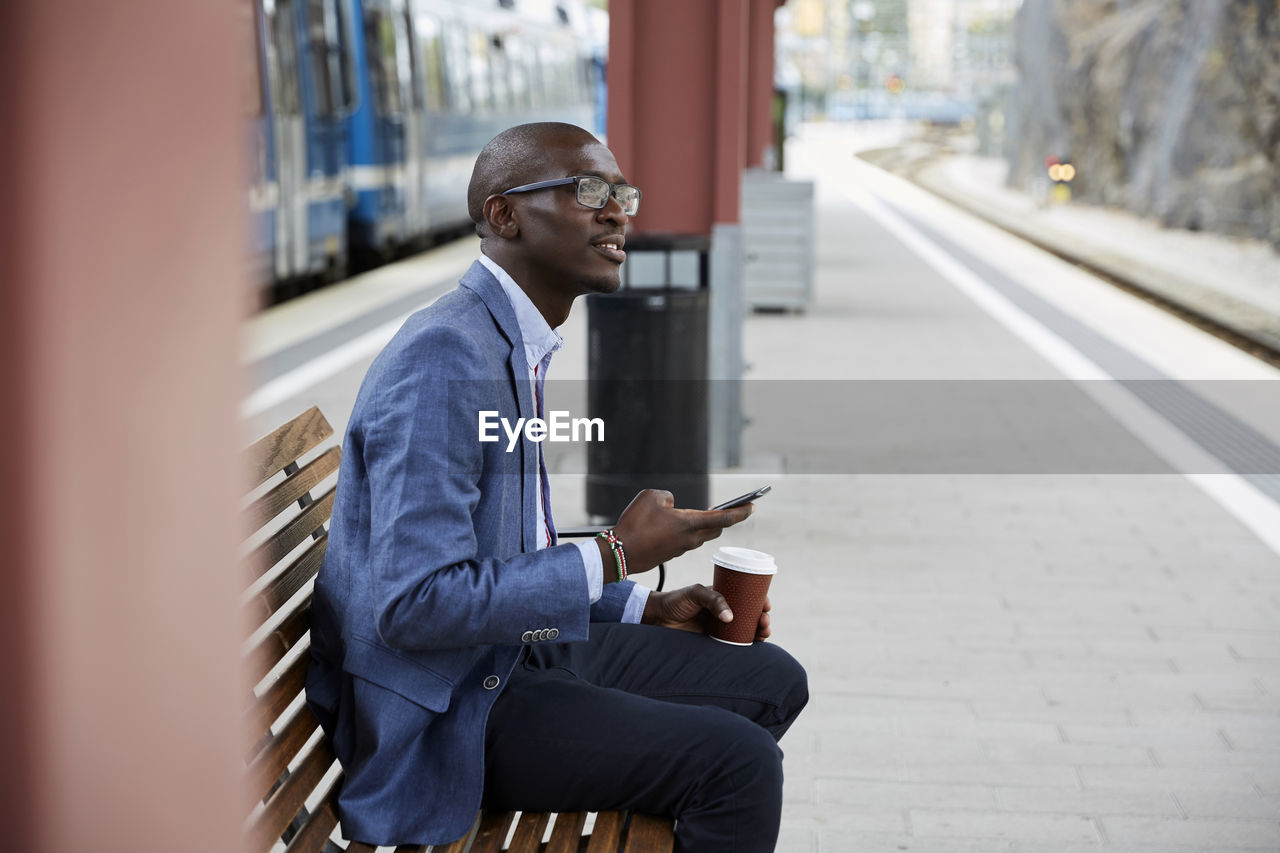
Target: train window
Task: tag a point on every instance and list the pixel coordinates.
(406, 55)
(344, 53)
(546, 83)
(481, 92)
(380, 44)
(457, 68)
(564, 68)
(332, 78)
(281, 57)
(428, 30)
(585, 73)
(553, 82)
(251, 94)
(572, 77)
(517, 71)
(318, 41)
(500, 76)
(535, 75)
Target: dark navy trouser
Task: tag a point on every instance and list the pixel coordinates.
(653, 719)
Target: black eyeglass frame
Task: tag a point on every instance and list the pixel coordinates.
(575, 180)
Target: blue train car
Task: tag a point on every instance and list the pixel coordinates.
(365, 116)
(260, 160)
(436, 80)
(308, 90)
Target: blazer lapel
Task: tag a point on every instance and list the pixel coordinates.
(482, 282)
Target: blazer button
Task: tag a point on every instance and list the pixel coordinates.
(491, 682)
(526, 637)
(540, 634)
(553, 633)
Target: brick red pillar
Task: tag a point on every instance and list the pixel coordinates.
(678, 108)
(760, 80)
(678, 124)
(121, 295)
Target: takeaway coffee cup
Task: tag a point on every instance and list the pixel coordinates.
(742, 576)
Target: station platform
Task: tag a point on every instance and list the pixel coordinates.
(1039, 662)
(1045, 660)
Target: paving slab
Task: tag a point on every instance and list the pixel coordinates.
(1040, 663)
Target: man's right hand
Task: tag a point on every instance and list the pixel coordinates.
(653, 531)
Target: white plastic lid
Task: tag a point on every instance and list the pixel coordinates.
(746, 560)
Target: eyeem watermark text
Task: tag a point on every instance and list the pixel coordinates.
(557, 427)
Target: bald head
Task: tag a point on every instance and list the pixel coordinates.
(519, 155)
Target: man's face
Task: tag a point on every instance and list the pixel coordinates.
(568, 246)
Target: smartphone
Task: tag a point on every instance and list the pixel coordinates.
(744, 499)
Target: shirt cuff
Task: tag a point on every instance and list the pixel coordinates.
(635, 604)
(595, 569)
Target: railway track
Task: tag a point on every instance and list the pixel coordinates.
(910, 165)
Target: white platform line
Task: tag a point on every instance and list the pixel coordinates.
(294, 382)
(1237, 496)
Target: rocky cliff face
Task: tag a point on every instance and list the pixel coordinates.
(1170, 108)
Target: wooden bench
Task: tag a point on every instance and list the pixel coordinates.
(291, 774)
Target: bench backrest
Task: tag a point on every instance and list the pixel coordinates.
(292, 774)
(291, 771)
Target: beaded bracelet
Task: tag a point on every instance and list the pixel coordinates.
(619, 555)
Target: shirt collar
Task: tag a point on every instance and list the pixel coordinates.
(540, 340)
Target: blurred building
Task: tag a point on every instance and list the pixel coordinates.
(867, 58)
(963, 47)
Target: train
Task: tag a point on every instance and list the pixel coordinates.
(365, 117)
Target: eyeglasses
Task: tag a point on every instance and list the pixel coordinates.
(593, 192)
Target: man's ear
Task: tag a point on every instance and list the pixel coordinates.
(500, 216)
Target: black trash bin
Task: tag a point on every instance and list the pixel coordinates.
(647, 368)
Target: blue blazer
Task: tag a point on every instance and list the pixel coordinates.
(432, 581)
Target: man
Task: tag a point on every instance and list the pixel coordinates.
(460, 655)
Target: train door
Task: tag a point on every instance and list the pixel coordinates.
(411, 96)
(438, 110)
(378, 137)
(328, 97)
(261, 164)
(289, 132)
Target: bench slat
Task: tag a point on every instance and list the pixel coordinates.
(566, 835)
(359, 847)
(529, 832)
(493, 831)
(282, 588)
(291, 535)
(313, 834)
(269, 649)
(266, 768)
(262, 713)
(649, 834)
(269, 455)
(267, 827)
(291, 489)
(606, 834)
(460, 846)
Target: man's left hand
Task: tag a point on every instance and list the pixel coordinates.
(695, 608)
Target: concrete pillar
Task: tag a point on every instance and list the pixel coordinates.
(120, 300)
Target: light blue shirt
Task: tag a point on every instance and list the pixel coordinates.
(540, 343)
